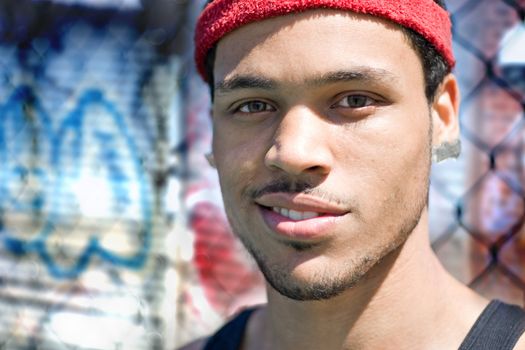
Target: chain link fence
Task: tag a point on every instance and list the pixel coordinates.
(483, 242)
(111, 229)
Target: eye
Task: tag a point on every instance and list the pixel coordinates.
(355, 101)
(255, 107)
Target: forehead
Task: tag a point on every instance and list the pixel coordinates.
(298, 47)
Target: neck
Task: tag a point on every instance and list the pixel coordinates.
(408, 299)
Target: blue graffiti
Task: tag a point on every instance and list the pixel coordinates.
(53, 158)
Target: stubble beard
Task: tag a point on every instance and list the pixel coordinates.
(326, 285)
(333, 281)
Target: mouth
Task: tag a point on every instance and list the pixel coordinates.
(296, 215)
(300, 217)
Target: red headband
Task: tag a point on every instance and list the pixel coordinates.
(223, 16)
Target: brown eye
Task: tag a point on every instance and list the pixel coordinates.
(255, 107)
(355, 101)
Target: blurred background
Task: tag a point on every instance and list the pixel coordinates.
(111, 227)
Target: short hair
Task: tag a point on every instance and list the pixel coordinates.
(434, 65)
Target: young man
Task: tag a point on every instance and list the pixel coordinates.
(326, 117)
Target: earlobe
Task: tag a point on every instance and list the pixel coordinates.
(445, 119)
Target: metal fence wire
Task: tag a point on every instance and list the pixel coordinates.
(112, 234)
(489, 38)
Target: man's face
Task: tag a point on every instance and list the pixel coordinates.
(322, 142)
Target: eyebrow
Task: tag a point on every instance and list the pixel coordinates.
(245, 82)
(358, 74)
(361, 74)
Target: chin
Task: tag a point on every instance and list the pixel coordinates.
(318, 278)
(311, 288)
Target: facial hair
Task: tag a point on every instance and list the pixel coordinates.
(326, 284)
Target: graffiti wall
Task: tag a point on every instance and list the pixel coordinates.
(90, 142)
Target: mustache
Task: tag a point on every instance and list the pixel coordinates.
(293, 187)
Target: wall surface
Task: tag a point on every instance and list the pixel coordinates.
(91, 129)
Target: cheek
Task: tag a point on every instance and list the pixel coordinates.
(386, 148)
(237, 161)
(387, 168)
(237, 140)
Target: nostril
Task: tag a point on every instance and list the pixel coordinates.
(298, 153)
(317, 169)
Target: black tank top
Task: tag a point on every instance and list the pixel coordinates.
(498, 328)
(230, 336)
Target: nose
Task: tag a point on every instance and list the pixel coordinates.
(301, 144)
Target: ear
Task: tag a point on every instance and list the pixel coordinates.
(445, 119)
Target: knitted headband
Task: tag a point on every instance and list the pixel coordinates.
(223, 16)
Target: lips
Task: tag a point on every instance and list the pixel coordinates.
(300, 216)
(296, 215)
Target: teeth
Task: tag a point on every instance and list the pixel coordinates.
(296, 215)
(310, 215)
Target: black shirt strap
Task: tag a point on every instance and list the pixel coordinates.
(499, 327)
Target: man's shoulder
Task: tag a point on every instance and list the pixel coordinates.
(195, 345)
